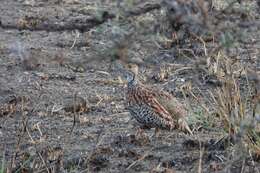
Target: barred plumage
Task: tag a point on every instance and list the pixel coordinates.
(155, 108)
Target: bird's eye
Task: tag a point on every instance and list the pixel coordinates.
(172, 10)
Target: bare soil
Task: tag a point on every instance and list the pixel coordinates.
(53, 52)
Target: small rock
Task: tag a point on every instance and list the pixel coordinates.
(74, 104)
(93, 99)
(31, 63)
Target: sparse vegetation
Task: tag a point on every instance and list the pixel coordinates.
(62, 96)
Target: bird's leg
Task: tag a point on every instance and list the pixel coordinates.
(157, 132)
(139, 131)
(174, 36)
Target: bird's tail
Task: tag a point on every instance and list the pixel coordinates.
(183, 125)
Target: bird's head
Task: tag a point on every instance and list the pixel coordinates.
(129, 76)
(132, 72)
(129, 73)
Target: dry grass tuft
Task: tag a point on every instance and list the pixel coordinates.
(234, 103)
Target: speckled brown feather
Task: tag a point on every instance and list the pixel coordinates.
(146, 96)
(150, 112)
(163, 105)
(171, 104)
(155, 108)
(177, 110)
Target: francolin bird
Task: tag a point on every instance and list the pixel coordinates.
(154, 108)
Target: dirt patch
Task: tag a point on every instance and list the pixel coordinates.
(62, 105)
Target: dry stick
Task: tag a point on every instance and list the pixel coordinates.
(29, 134)
(20, 135)
(42, 170)
(21, 166)
(75, 39)
(200, 161)
(74, 112)
(253, 163)
(181, 69)
(26, 130)
(181, 52)
(219, 158)
(203, 42)
(33, 141)
(43, 161)
(39, 129)
(74, 117)
(243, 166)
(138, 160)
(100, 99)
(202, 105)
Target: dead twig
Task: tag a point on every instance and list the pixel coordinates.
(138, 160)
(21, 134)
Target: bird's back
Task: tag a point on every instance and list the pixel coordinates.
(145, 108)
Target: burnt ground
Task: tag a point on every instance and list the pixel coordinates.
(55, 51)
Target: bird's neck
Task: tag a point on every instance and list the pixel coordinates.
(132, 83)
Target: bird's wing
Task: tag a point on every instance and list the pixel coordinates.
(151, 101)
(171, 104)
(177, 110)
